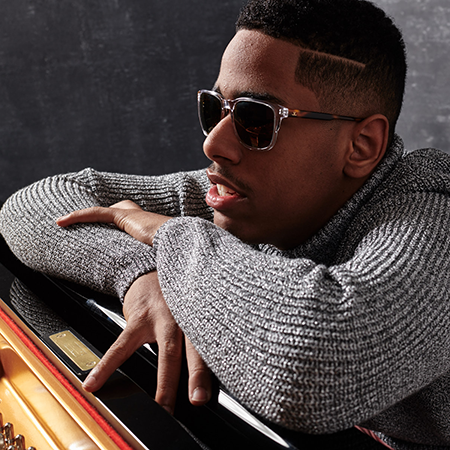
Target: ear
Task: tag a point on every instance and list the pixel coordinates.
(368, 146)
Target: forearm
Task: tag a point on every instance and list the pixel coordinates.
(100, 256)
(313, 348)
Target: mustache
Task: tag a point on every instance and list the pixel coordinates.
(226, 173)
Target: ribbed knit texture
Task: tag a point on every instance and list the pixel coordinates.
(108, 261)
(349, 328)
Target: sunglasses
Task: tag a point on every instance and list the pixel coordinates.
(256, 122)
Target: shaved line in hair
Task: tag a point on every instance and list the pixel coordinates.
(338, 82)
(318, 54)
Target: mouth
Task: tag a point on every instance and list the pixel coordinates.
(222, 195)
(225, 188)
(224, 191)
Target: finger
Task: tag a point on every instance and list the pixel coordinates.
(137, 223)
(169, 366)
(125, 345)
(88, 215)
(199, 377)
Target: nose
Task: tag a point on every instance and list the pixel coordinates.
(222, 145)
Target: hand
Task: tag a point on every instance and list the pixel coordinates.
(126, 215)
(149, 320)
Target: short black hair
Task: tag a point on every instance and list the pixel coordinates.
(355, 61)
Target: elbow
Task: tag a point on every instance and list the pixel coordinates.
(298, 395)
(309, 407)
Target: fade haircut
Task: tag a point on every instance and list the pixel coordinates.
(354, 57)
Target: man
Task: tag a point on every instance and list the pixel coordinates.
(310, 268)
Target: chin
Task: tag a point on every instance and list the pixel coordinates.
(251, 234)
(247, 233)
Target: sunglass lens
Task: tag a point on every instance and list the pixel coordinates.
(210, 111)
(255, 123)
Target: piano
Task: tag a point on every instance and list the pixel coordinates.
(52, 333)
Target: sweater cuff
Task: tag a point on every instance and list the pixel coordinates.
(131, 267)
(167, 228)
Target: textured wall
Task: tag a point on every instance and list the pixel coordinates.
(111, 83)
(425, 120)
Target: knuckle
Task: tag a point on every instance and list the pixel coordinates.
(170, 347)
(199, 371)
(126, 204)
(120, 350)
(141, 320)
(166, 388)
(196, 364)
(120, 220)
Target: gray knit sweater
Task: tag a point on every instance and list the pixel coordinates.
(352, 327)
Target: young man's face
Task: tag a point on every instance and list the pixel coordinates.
(284, 195)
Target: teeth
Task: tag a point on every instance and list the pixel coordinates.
(223, 191)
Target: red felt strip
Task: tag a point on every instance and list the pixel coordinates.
(374, 436)
(102, 422)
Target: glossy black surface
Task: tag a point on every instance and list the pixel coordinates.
(48, 306)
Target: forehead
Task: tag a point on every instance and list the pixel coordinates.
(256, 63)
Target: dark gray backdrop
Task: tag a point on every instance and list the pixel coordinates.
(112, 83)
(105, 83)
(425, 120)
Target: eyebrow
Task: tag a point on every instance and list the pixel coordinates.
(255, 95)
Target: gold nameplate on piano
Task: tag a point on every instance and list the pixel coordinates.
(74, 349)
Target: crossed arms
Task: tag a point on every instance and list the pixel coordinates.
(316, 347)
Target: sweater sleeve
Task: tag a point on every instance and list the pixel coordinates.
(99, 256)
(312, 347)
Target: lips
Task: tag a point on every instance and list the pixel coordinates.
(223, 195)
(224, 185)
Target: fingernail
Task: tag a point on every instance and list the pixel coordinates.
(89, 383)
(200, 395)
(62, 218)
